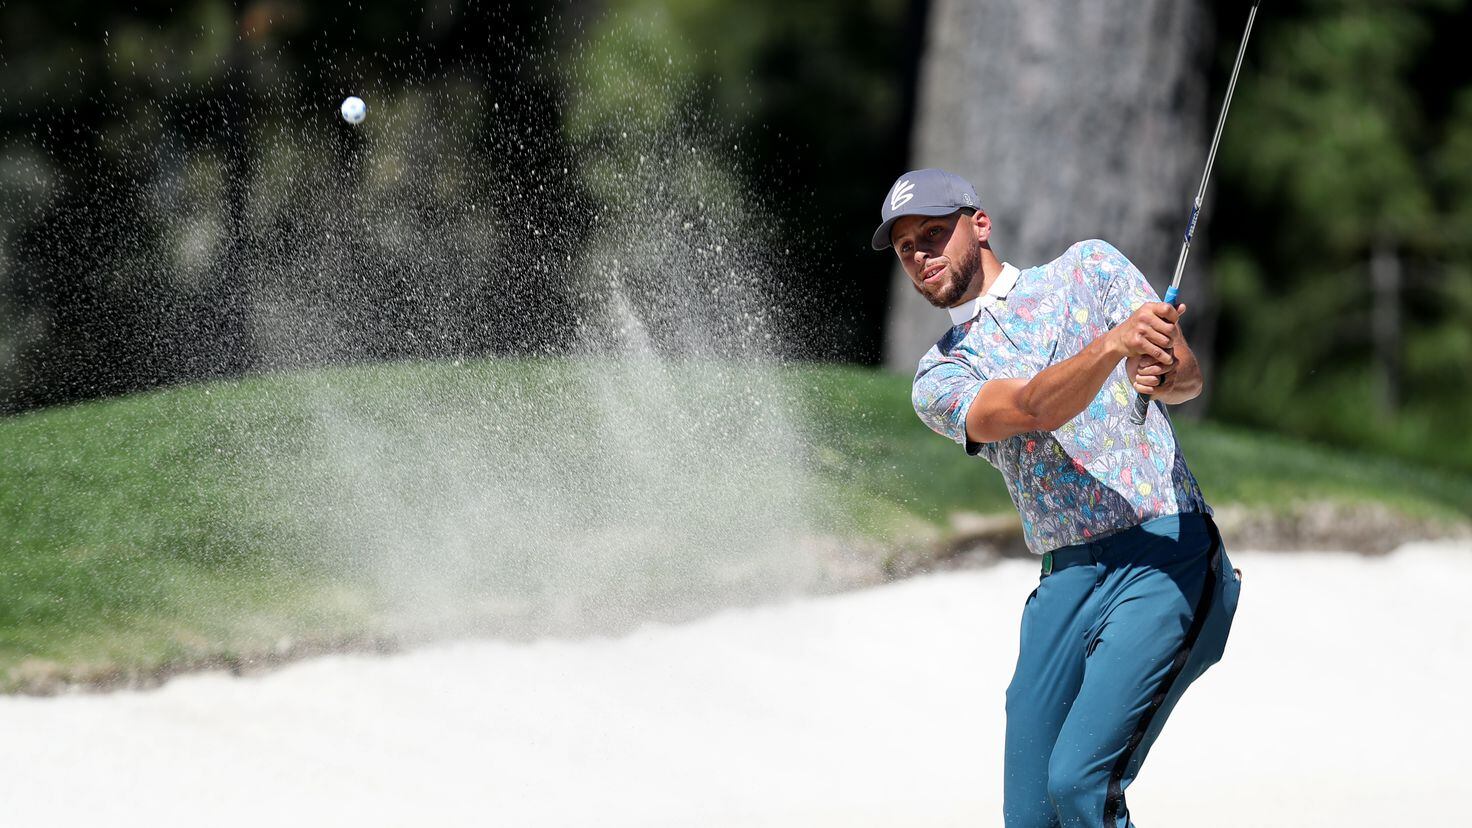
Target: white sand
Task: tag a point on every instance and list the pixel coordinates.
(1340, 702)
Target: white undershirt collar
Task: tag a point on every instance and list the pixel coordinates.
(961, 314)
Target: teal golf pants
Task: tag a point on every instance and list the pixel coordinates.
(1111, 638)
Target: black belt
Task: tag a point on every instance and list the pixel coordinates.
(1085, 553)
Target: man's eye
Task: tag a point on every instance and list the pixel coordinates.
(934, 231)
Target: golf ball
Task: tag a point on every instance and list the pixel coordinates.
(354, 110)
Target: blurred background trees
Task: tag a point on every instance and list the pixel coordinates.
(1341, 231)
(144, 149)
(174, 179)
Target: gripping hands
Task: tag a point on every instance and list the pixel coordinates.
(1147, 341)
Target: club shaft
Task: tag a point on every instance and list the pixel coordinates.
(1216, 140)
(1142, 401)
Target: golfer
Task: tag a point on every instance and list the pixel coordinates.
(1036, 375)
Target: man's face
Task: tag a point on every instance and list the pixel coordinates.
(941, 254)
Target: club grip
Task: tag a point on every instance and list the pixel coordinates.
(1142, 401)
(1142, 407)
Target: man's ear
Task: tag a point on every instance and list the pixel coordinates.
(983, 224)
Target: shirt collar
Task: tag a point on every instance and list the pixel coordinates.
(961, 314)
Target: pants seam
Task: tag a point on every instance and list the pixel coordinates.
(1114, 799)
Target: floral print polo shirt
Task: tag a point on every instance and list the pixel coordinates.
(1097, 474)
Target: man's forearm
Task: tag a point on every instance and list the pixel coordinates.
(1007, 407)
(1059, 392)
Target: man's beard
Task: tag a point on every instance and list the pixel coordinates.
(955, 287)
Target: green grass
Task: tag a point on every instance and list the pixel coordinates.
(196, 523)
(125, 545)
(874, 442)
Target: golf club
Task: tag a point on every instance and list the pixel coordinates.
(1142, 401)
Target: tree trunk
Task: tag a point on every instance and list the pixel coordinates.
(1385, 275)
(1073, 121)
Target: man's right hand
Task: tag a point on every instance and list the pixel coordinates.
(1149, 332)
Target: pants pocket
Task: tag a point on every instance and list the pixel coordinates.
(1227, 589)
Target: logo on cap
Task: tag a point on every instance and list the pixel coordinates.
(901, 194)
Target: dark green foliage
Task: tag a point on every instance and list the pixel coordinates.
(811, 101)
(131, 136)
(1347, 152)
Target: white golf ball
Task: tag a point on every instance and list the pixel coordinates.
(354, 110)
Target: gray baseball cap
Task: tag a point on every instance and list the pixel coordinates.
(923, 193)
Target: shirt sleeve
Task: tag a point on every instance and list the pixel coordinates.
(942, 394)
(1121, 287)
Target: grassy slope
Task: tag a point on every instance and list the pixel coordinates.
(135, 536)
(121, 548)
(910, 466)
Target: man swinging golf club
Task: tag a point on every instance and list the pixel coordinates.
(1036, 376)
